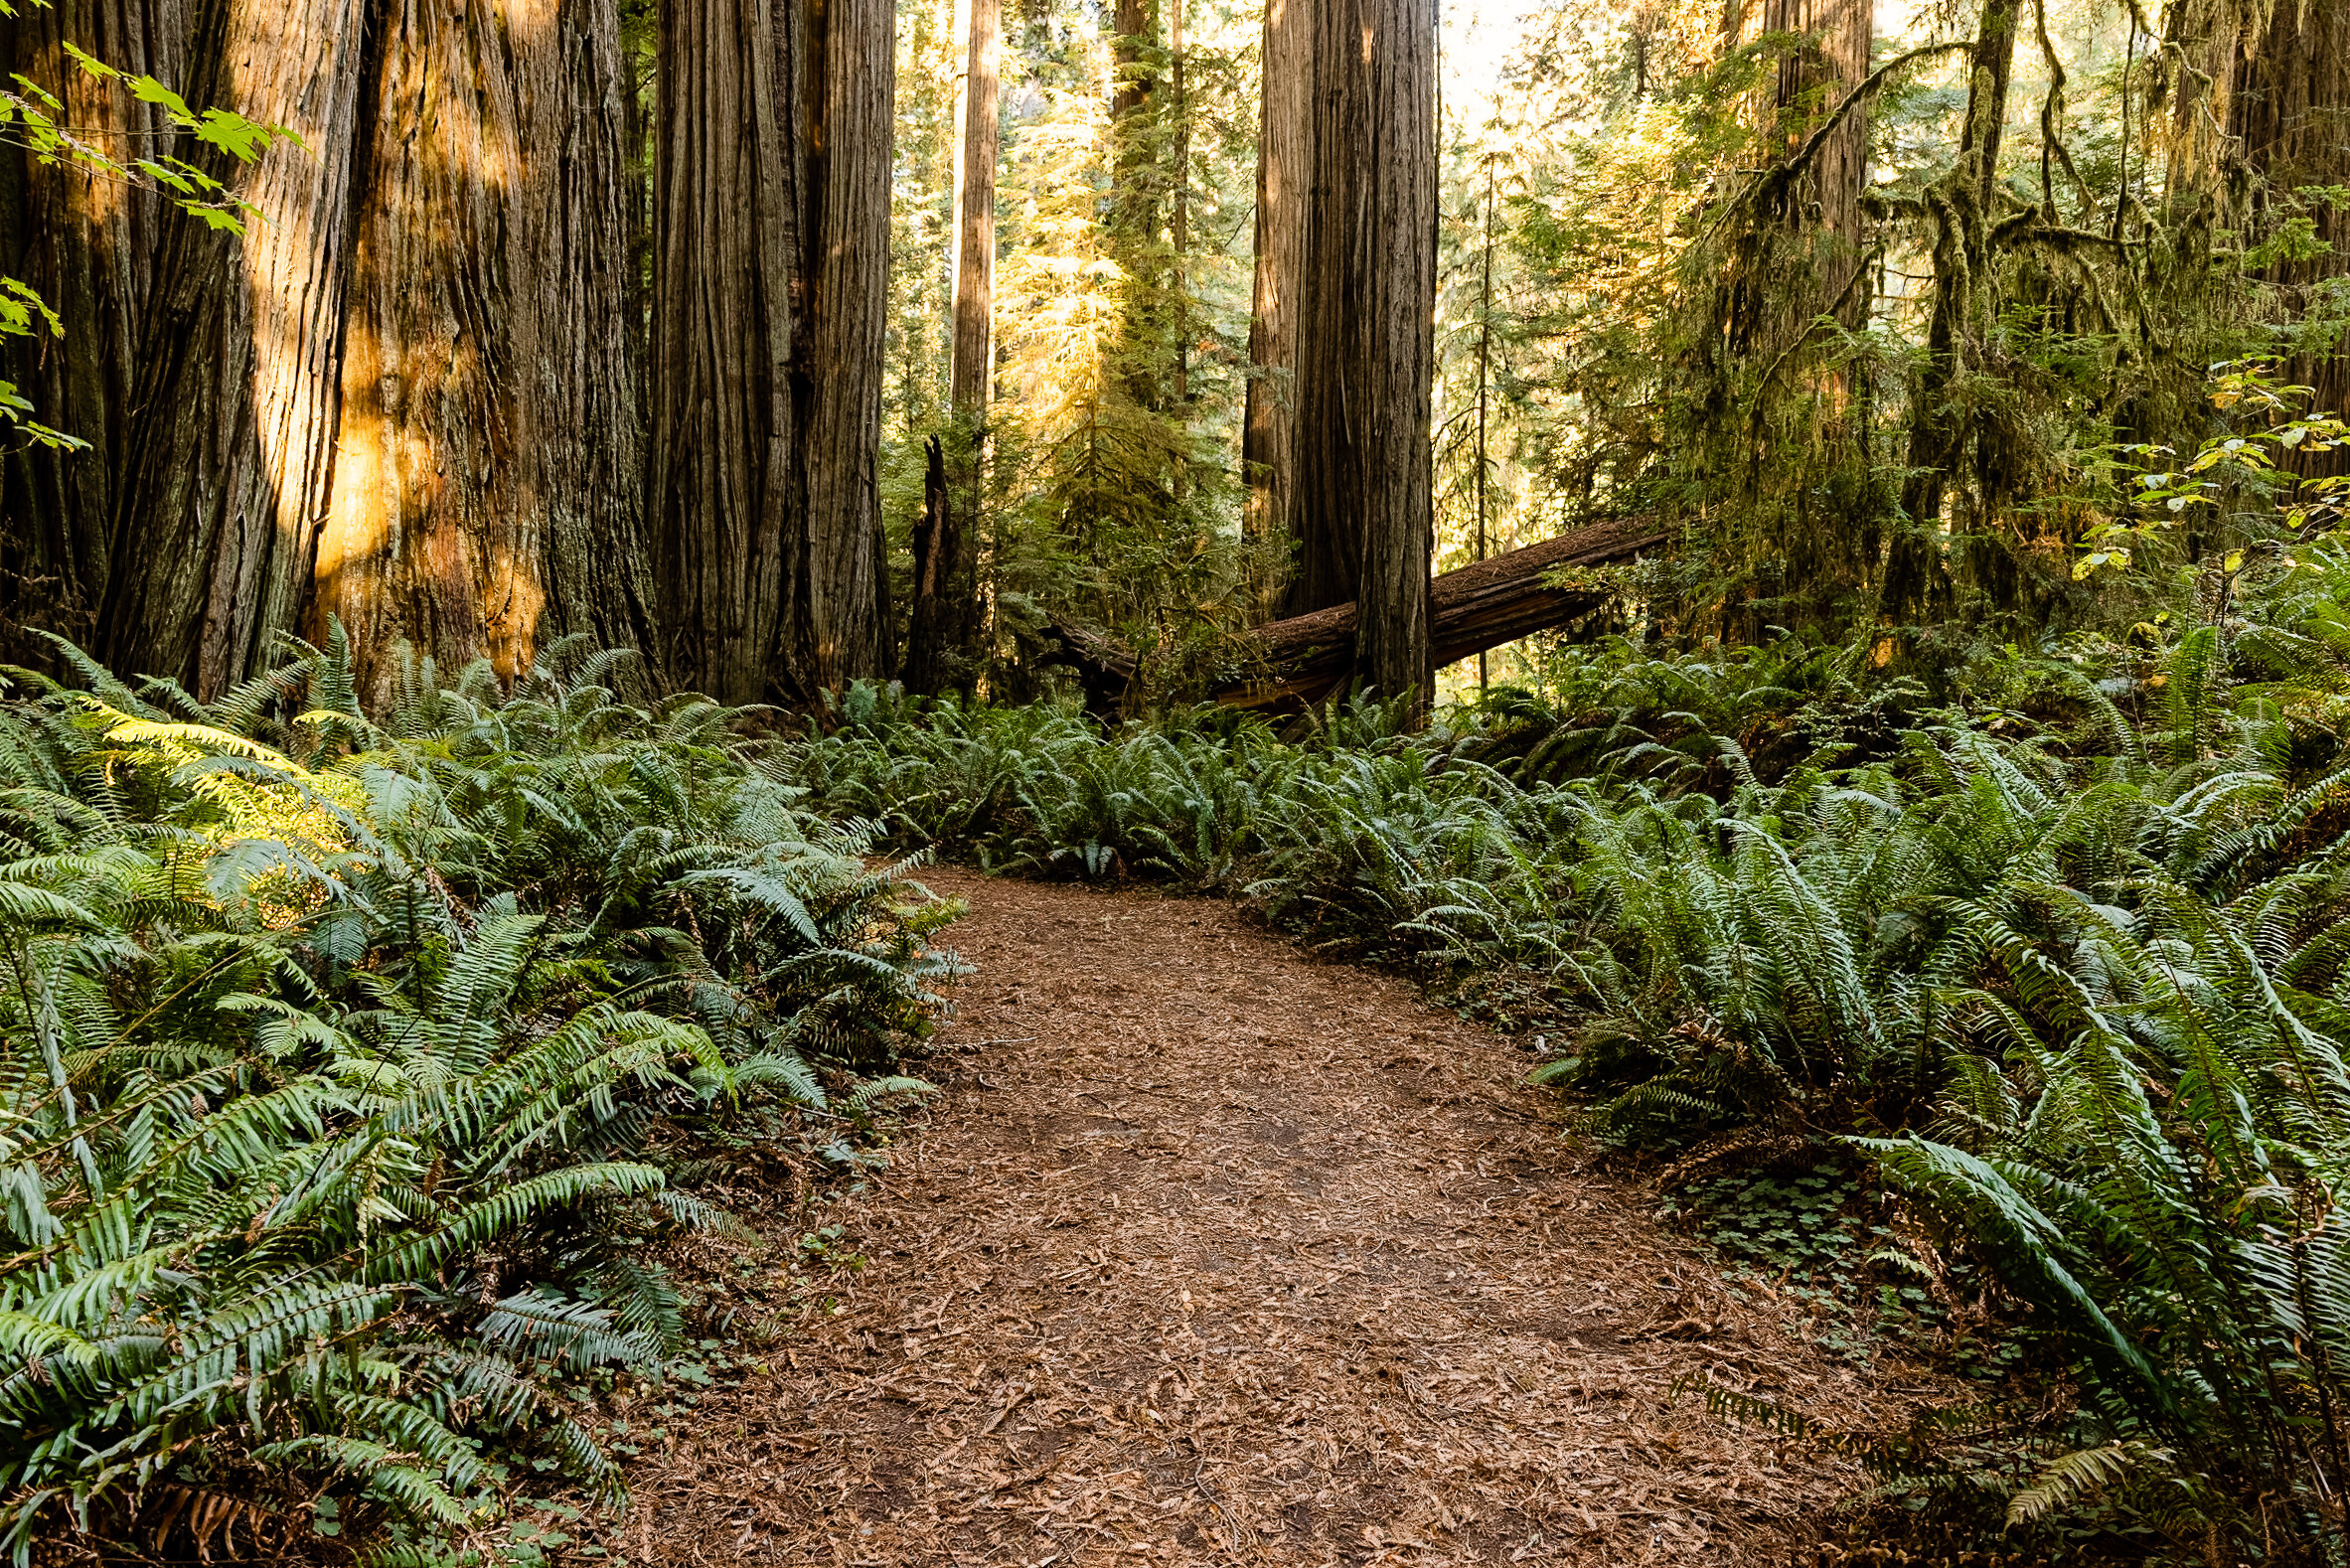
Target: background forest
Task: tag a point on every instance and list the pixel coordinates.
(1786, 552)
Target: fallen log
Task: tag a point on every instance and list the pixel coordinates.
(1306, 657)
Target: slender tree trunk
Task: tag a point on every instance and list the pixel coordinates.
(943, 627)
(1484, 378)
(726, 201)
(1284, 148)
(232, 438)
(935, 549)
(1362, 509)
(88, 247)
(482, 491)
(1916, 578)
(971, 365)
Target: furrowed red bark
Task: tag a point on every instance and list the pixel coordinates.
(846, 296)
(481, 498)
(232, 443)
(1285, 143)
(88, 246)
(1361, 507)
(726, 244)
(771, 230)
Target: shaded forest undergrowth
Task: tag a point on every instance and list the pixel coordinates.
(362, 1072)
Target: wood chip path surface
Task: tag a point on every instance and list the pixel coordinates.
(1214, 1254)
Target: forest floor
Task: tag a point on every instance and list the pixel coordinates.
(1215, 1254)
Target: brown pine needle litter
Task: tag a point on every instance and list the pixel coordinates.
(1214, 1254)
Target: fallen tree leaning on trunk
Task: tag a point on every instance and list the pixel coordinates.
(1306, 657)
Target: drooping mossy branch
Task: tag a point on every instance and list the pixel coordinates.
(1774, 182)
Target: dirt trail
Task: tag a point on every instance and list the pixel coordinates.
(1216, 1255)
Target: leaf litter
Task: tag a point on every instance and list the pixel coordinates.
(1217, 1254)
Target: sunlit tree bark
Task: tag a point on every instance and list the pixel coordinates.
(228, 468)
(485, 480)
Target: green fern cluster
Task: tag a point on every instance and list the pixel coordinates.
(348, 1066)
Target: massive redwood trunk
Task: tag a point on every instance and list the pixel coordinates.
(483, 495)
(725, 245)
(229, 462)
(87, 246)
(771, 247)
(1361, 508)
(853, 83)
(1346, 289)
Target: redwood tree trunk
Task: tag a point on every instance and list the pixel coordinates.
(852, 87)
(771, 226)
(726, 244)
(482, 497)
(233, 440)
(1284, 143)
(1813, 79)
(2288, 105)
(1361, 505)
(88, 247)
